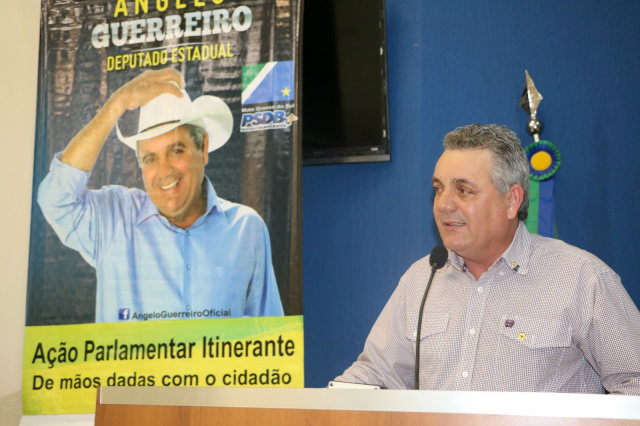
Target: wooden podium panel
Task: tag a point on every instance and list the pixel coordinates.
(349, 407)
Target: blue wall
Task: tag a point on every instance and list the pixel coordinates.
(458, 62)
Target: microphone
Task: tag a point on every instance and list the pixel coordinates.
(437, 259)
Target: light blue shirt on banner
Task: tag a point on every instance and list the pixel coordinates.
(149, 269)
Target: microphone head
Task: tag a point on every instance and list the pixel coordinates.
(438, 257)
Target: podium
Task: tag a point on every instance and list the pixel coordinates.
(157, 406)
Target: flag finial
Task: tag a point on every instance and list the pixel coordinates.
(529, 101)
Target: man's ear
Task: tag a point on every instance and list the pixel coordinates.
(205, 147)
(515, 197)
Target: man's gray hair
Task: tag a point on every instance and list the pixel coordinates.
(511, 163)
(197, 135)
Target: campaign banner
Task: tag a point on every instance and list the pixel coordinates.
(166, 206)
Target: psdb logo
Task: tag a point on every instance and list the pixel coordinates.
(124, 314)
(266, 120)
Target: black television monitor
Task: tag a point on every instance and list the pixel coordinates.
(345, 114)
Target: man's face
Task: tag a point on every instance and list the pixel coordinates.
(172, 171)
(474, 219)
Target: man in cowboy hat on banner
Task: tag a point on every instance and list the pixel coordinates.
(175, 250)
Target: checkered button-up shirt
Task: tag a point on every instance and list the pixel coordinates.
(546, 317)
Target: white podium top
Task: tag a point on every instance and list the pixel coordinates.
(497, 403)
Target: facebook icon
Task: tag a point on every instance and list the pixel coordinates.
(123, 314)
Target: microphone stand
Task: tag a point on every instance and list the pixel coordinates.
(424, 299)
(437, 259)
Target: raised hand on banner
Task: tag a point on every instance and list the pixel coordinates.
(147, 86)
(83, 150)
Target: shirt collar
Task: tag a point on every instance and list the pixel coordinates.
(456, 261)
(516, 257)
(149, 209)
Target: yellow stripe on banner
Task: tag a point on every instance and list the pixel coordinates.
(63, 365)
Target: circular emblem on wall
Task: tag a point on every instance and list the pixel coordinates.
(544, 159)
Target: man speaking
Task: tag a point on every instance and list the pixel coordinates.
(509, 311)
(176, 250)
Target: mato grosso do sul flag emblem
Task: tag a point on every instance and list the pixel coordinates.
(544, 161)
(268, 91)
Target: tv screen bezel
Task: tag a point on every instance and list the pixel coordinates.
(378, 150)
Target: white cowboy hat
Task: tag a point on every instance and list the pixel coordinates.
(166, 112)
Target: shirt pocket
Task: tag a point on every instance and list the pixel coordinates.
(529, 353)
(433, 324)
(536, 332)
